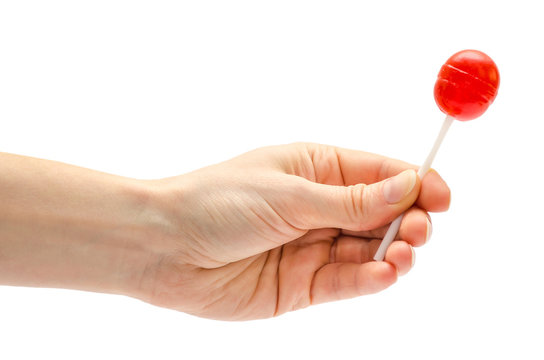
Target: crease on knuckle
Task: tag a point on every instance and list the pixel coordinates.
(358, 210)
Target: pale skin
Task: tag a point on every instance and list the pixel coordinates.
(273, 230)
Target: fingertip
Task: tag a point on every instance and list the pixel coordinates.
(401, 255)
(384, 274)
(387, 269)
(416, 227)
(435, 194)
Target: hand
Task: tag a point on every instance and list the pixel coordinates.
(281, 228)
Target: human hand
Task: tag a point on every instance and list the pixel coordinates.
(281, 228)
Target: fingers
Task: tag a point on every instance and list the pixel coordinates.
(344, 280)
(402, 255)
(415, 229)
(349, 249)
(355, 166)
(340, 166)
(359, 207)
(347, 280)
(435, 194)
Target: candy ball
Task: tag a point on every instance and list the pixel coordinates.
(467, 84)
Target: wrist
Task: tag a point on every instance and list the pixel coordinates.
(138, 236)
(67, 227)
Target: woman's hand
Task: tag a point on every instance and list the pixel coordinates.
(281, 228)
(274, 230)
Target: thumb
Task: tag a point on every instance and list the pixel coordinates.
(361, 207)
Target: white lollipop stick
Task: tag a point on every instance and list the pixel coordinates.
(394, 228)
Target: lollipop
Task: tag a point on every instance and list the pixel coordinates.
(466, 85)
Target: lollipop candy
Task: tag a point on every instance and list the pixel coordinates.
(466, 85)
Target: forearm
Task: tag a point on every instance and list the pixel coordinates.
(69, 227)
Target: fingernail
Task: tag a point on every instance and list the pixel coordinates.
(429, 231)
(396, 188)
(413, 257)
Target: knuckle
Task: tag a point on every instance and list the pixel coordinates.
(357, 204)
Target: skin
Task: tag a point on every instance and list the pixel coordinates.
(273, 230)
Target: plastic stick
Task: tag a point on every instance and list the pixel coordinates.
(395, 225)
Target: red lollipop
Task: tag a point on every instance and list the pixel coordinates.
(467, 84)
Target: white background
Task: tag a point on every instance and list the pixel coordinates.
(159, 88)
